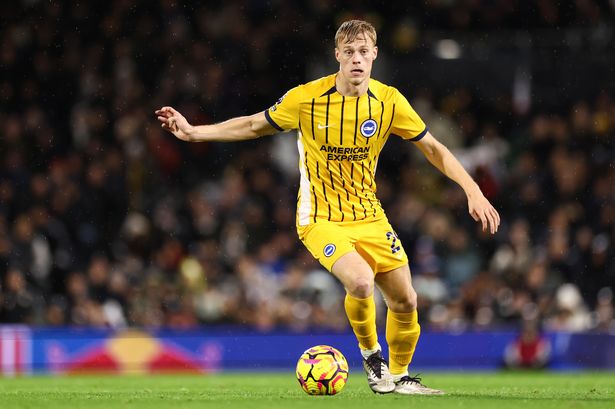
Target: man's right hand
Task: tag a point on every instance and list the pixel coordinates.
(174, 122)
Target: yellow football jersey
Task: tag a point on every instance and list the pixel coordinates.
(339, 140)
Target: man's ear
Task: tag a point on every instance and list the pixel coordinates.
(375, 52)
(337, 54)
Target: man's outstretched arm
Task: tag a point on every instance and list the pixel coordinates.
(236, 129)
(478, 206)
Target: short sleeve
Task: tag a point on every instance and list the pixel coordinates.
(407, 123)
(284, 114)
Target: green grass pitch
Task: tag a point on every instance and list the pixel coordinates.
(281, 390)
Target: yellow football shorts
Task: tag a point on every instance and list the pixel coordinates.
(374, 239)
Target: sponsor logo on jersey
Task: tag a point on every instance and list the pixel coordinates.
(341, 153)
(369, 128)
(329, 250)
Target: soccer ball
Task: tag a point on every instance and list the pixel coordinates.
(322, 370)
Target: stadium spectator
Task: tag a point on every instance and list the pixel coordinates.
(530, 350)
(17, 302)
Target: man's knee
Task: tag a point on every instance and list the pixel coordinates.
(405, 303)
(361, 287)
(355, 274)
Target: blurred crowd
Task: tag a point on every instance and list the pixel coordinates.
(106, 220)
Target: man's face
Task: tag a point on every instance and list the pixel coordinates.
(356, 58)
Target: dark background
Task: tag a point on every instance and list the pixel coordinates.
(106, 220)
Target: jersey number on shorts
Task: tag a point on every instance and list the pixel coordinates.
(394, 246)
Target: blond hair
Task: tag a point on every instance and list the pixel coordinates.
(350, 30)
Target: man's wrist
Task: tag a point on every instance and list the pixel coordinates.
(473, 191)
(190, 132)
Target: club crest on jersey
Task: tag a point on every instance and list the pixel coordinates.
(329, 250)
(369, 128)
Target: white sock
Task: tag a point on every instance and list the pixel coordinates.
(399, 376)
(367, 352)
